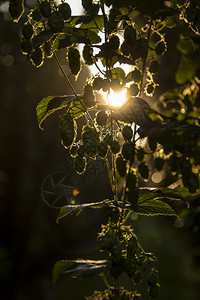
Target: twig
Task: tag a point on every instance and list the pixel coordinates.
(72, 88)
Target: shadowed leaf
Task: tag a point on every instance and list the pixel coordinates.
(16, 9)
(151, 193)
(42, 38)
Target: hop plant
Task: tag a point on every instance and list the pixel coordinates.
(112, 34)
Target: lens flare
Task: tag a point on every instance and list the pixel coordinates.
(117, 99)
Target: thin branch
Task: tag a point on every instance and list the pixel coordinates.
(127, 177)
(65, 75)
(72, 88)
(109, 172)
(144, 61)
(105, 280)
(99, 68)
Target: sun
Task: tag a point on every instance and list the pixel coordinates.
(117, 99)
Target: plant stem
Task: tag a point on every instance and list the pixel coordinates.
(99, 68)
(117, 287)
(144, 61)
(105, 34)
(127, 177)
(65, 75)
(109, 173)
(113, 164)
(73, 90)
(105, 280)
(134, 134)
(105, 20)
(127, 216)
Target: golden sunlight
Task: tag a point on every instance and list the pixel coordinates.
(117, 99)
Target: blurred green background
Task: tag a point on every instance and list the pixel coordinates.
(30, 240)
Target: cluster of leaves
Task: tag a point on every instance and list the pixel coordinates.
(180, 137)
(114, 33)
(126, 256)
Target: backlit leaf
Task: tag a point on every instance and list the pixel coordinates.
(62, 40)
(153, 207)
(59, 268)
(95, 25)
(79, 268)
(82, 35)
(151, 193)
(77, 209)
(186, 45)
(118, 73)
(187, 69)
(50, 104)
(77, 109)
(151, 201)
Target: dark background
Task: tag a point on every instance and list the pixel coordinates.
(30, 240)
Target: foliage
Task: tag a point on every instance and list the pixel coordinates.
(114, 33)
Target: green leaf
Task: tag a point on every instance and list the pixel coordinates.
(79, 268)
(95, 25)
(151, 201)
(153, 207)
(77, 209)
(74, 20)
(167, 193)
(118, 73)
(170, 21)
(62, 40)
(186, 45)
(42, 38)
(87, 35)
(82, 35)
(187, 69)
(50, 104)
(76, 109)
(68, 130)
(59, 268)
